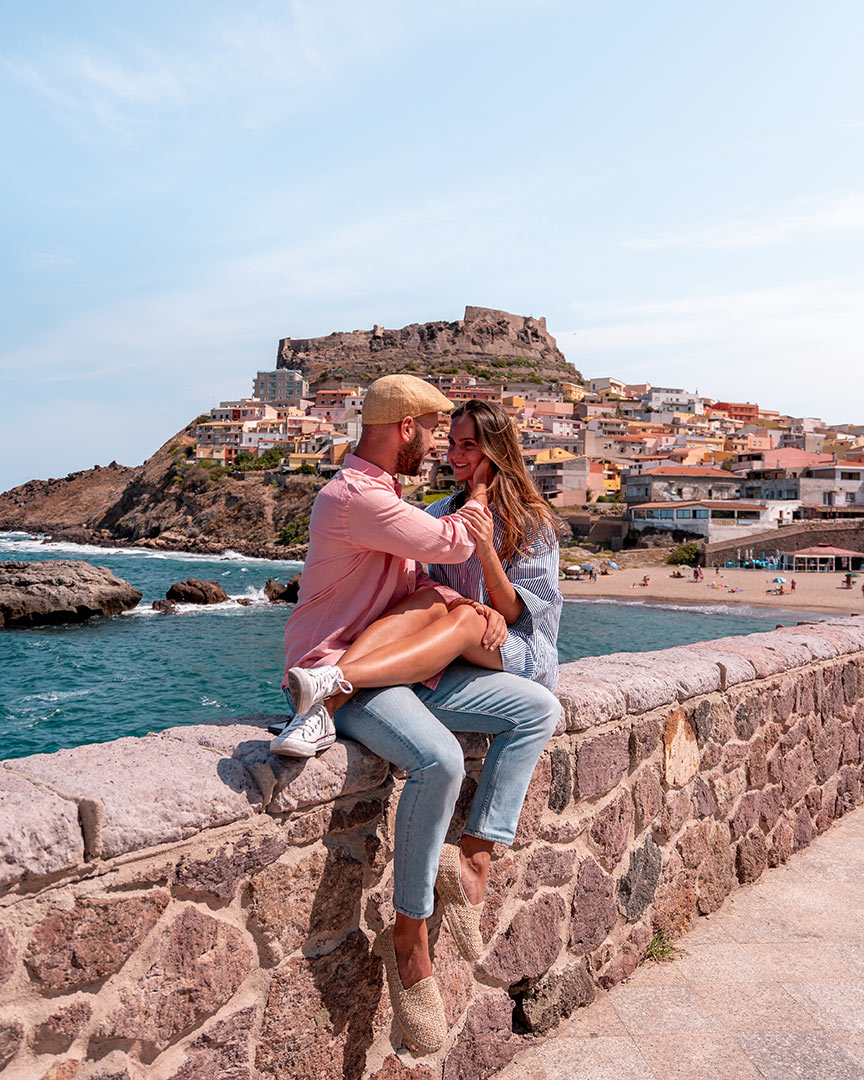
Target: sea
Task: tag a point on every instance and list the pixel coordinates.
(64, 686)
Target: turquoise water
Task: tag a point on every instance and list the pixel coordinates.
(62, 686)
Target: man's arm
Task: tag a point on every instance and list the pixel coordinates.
(381, 521)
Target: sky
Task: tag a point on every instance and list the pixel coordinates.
(677, 187)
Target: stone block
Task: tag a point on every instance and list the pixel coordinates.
(677, 808)
(770, 807)
(94, 939)
(646, 736)
(694, 843)
(702, 799)
(680, 750)
(625, 959)
(346, 769)
(757, 763)
(850, 753)
(734, 755)
(452, 974)
(601, 763)
(220, 872)
(8, 956)
(716, 875)
(726, 788)
(746, 813)
(701, 720)
(734, 667)
(647, 797)
(500, 887)
(593, 910)
(828, 749)
(780, 842)
(751, 857)
(41, 834)
(192, 970)
(675, 903)
(694, 673)
(536, 802)
(548, 866)
(848, 790)
(853, 683)
(561, 784)
(306, 903)
(321, 1014)
(221, 1052)
(393, 1069)
(63, 1070)
(819, 645)
(784, 696)
(530, 944)
(637, 887)
(763, 661)
(123, 809)
(58, 1031)
(486, 1042)
(792, 650)
(11, 1038)
(611, 829)
(543, 1003)
(798, 772)
(588, 701)
(711, 755)
(803, 831)
(646, 685)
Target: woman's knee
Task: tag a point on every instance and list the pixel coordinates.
(468, 621)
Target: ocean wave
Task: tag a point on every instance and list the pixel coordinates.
(752, 611)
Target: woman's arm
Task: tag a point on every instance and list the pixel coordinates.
(502, 596)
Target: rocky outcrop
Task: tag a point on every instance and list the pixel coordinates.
(193, 591)
(168, 503)
(487, 343)
(277, 593)
(32, 593)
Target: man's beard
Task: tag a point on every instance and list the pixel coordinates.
(410, 457)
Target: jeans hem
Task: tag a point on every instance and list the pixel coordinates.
(411, 915)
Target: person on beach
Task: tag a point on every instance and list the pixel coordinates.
(371, 645)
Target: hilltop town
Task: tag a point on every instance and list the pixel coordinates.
(644, 458)
(624, 464)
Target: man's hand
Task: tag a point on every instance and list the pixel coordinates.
(478, 522)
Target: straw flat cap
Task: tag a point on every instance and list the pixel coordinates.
(393, 397)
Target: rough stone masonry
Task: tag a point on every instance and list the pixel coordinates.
(187, 905)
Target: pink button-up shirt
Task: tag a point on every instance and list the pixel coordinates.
(364, 547)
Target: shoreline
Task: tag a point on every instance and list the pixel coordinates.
(815, 593)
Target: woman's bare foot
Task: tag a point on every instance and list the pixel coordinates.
(474, 858)
(411, 945)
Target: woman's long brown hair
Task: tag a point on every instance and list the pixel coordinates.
(525, 515)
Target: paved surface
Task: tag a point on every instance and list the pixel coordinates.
(771, 987)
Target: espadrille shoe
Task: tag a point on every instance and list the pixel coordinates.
(463, 919)
(419, 1009)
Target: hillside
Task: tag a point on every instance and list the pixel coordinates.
(513, 349)
(168, 502)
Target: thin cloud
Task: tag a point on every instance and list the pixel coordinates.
(801, 220)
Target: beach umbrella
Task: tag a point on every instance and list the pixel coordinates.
(852, 574)
(614, 565)
(588, 566)
(780, 580)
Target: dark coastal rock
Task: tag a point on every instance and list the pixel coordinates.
(59, 591)
(164, 607)
(277, 593)
(194, 591)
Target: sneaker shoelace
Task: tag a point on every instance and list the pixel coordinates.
(312, 725)
(327, 680)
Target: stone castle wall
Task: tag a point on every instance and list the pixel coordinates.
(189, 906)
(803, 534)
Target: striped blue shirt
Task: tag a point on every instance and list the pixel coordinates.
(531, 647)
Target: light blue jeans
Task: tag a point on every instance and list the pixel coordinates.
(413, 726)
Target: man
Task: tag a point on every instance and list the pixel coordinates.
(365, 543)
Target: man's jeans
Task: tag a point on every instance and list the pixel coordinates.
(412, 726)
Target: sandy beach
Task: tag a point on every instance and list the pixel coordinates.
(813, 592)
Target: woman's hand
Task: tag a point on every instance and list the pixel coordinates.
(478, 522)
(496, 625)
(483, 473)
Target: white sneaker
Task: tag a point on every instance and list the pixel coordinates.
(307, 734)
(309, 686)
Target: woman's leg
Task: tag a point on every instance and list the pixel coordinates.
(423, 654)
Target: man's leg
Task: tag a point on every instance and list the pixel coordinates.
(522, 715)
(394, 724)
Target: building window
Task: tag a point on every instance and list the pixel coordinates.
(700, 513)
(827, 498)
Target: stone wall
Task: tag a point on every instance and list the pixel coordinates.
(188, 906)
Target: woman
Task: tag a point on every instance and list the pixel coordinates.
(505, 621)
(507, 616)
